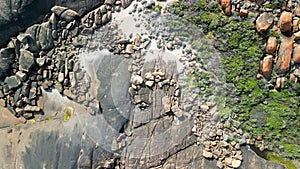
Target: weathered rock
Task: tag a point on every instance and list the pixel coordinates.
(226, 6)
(297, 11)
(207, 154)
(137, 40)
(296, 54)
(40, 61)
(45, 36)
(284, 55)
(267, 66)
(264, 21)
(12, 82)
(21, 75)
(243, 12)
(129, 49)
(285, 21)
(110, 2)
(79, 41)
(236, 163)
(65, 13)
(28, 42)
(26, 60)
(149, 83)
(136, 80)
(271, 45)
(297, 35)
(295, 25)
(7, 56)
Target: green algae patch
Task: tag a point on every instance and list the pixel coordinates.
(289, 164)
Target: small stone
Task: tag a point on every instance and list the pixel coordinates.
(219, 132)
(21, 75)
(285, 21)
(40, 61)
(136, 80)
(137, 40)
(220, 164)
(149, 83)
(259, 138)
(129, 49)
(264, 21)
(26, 60)
(69, 94)
(61, 77)
(271, 45)
(236, 163)
(2, 102)
(146, 44)
(228, 161)
(243, 12)
(296, 54)
(207, 154)
(12, 82)
(204, 108)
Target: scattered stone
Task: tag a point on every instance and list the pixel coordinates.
(7, 56)
(264, 21)
(204, 108)
(228, 161)
(69, 94)
(285, 21)
(243, 12)
(40, 61)
(149, 83)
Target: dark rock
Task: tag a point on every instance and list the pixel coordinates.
(28, 42)
(7, 56)
(45, 36)
(26, 60)
(12, 82)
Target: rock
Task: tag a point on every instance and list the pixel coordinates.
(284, 55)
(226, 6)
(295, 25)
(21, 75)
(264, 21)
(125, 3)
(61, 77)
(228, 161)
(243, 12)
(12, 82)
(271, 45)
(204, 108)
(110, 2)
(279, 83)
(32, 108)
(149, 83)
(166, 104)
(40, 61)
(146, 44)
(79, 41)
(45, 36)
(136, 80)
(207, 154)
(236, 163)
(129, 49)
(137, 40)
(65, 13)
(297, 11)
(7, 56)
(28, 42)
(26, 60)
(69, 94)
(285, 21)
(267, 66)
(296, 54)
(297, 35)
(58, 10)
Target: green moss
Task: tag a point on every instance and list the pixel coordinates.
(274, 115)
(274, 158)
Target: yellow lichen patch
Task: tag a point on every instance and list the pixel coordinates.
(68, 113)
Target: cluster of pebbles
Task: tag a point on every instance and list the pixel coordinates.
(44, 56)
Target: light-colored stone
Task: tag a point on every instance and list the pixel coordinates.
(228, 161)
(236, 163)
(264, 21)
(136, 80)
(296, 54)
(207, 154)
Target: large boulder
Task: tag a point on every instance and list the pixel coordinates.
(19, 14)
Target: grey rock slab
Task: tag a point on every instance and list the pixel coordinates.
(7, 56)
(12, 82)
(26, 60)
